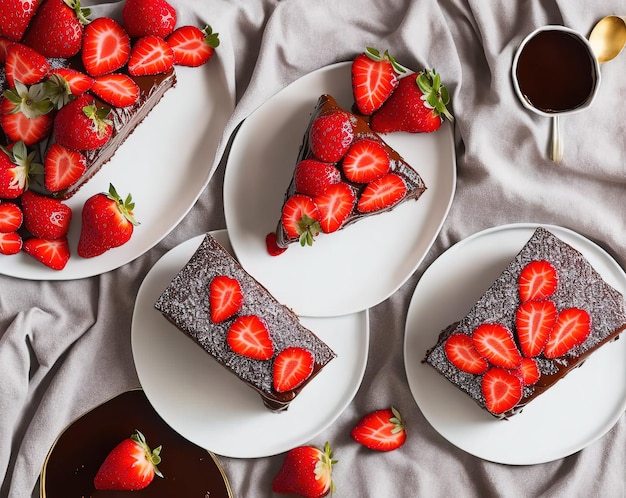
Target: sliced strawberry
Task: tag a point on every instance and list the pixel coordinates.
(10, 243)
(78, 81)
(383, 193)
(52, 253)
(225, 298)
(11, 217)
(248, 336)
(331, 135)
(502, 390)
(300, 219)
(537, 280)
(292, 367)
(529, 371)
(150, 55)
(374, 78)
(335, 205)
(495, 343)
(366, 161)
(16, 168)
(534, 321)
(381, 430)
(4, 48)
(63, 167)
(193, 46)
(45, 217)
(117, 89)
(25, 65)
(106, 46)
(25, 118)
(571, 329)
(272, 246)
(461, 352)
(313, 177)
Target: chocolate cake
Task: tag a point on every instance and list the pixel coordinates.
(76, 456)
(544, 315)
(413, 182)
(187, 303)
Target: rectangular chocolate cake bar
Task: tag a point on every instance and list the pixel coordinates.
(544, 315)
(216, 303)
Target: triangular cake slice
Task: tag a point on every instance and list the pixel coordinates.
(232, 317)
(344, 172)
(546, 313)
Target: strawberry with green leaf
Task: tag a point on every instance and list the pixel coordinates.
(380, 430)
(300, 219)
(306, 471)
(82, 124)
(16, 167)
(26, 113)
(193, 46)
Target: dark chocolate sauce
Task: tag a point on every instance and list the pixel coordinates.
(555, 71)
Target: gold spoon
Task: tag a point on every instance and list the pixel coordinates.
(608, 38)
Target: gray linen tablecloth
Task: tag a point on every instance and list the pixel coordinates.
(65, 346)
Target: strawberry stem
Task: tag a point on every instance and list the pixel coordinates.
(435, 94)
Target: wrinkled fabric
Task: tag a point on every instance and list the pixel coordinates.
(65, 346)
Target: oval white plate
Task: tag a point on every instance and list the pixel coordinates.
(578, 410)
(165, 164)
(355, 268)
(211, 407)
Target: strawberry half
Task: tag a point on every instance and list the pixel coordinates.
(225, 298)
(52, 253)
(335, 205)
(537, 280)
(366, 161)
(382, 193)
(10, 243)
(571, 329)
(116, 89)
(106, 46)
(248, 336)
(77, 81)
(44, 217)
(460, 351)
(331, 135)
(150, 55)
(292, 367)
(25, 65)
(529, 371)
(11, 217)
(374, 79)
(193, 46)
(63, 84)
(130, 466)
(381, 430)
(25, 113)
(534, 321)
(312, 177)
(62, 167)
(300, 219)
(306, 471)
(502, 390)
(495, 343)
(16, 167)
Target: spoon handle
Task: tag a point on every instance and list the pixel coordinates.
(556, 152)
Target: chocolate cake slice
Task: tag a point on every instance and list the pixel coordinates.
(192, 303)
(367, 192)
(544, 315)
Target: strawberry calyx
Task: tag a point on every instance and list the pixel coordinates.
(153, 456)
(308, 228)
(376, 56)
(24, 165)
(324, 467)
(99, 118)
(210, 38)
(435, 94)
(32, 101)
(57, 90)
(125, 206)
(82, 13)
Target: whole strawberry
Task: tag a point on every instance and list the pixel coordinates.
(130, 466)
(107, 222)
(306, 471)
(148, 17)
(15, 15)
(416, 106)
(82, 125)
(57, 28)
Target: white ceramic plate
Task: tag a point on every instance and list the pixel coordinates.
(211, 407)
(355, 268)
(165, 164)
(578, 410)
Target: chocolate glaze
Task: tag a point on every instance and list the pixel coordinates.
(579, 285)
(185, 303)
(415, 185)
(79, 451)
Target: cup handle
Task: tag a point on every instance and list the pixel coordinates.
(556, 152)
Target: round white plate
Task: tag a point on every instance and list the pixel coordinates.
(211, 407)
(165, 164)
(355, 268)
(578, 410)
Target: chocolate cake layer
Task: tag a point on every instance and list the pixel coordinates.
(579, 286)
(415, 184)
(185, 302)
